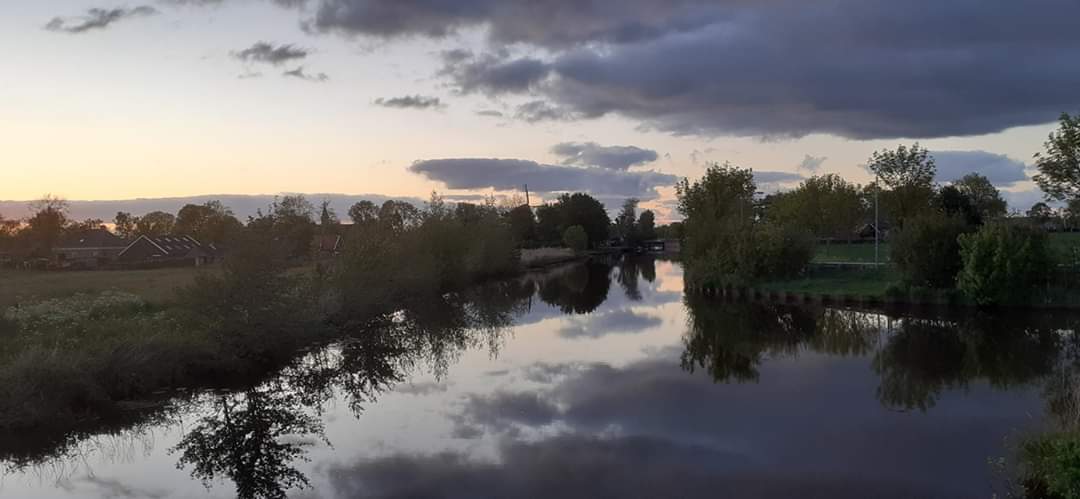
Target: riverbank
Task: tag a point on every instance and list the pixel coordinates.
(867, 284)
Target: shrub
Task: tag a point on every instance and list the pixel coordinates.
(1052, 465)
(575, 238)
(1003, 263)
(927, 250)
(780, 252)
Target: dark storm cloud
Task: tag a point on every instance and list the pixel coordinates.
(411, 102)
(97, 19)
(507, 174)
(612, 157)
(268, 53)
(778, 68)
(560, 23)
(300, 74)
(1000, 169)
(492, 74)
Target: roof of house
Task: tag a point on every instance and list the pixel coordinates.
(176, 246)
(92, 238)
(328, 242)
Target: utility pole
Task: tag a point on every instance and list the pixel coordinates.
(877, 220)
(527, 203)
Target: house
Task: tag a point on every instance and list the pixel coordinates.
(326, 245)
(88, 249)
(662, 246)
(167, 251)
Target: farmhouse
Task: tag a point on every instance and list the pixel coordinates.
(91, 248)
(167, 251)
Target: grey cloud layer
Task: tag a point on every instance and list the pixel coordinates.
(780, 68)
(299, 73)
(97, 19)
(1001, 170)
(506, 174)
(593, 154)
(263, 52)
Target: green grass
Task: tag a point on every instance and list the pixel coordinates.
(155, 286)
(1063, 244)
(839, 282)
(843, 252)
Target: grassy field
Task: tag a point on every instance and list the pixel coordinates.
(841, 252)
(155, 286)
(1063, 244)
(872, 282)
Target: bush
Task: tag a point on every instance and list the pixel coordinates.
(575, 238)
(1003, 264)
(1052, 465)
(927, 250)
(780, 253)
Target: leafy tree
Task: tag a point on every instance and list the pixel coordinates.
(1003, 263)
(399, 216)
(211, 222)
(674, 230)
(927, 252)
(584, 210)
(364, 212)
(522, 224)
(549, 222)
(1059, 166)
(985, 198)
(576, 238)
(1072, 214)
(288, 222)
(125, 224)
(953, 202)
(46, 225)
(1041, 213)
(646, 225)
(908, 174)
(718, 210)
(828, 206)
(626, 220)
(154, 224)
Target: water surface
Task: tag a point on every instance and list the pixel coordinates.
(599, 380)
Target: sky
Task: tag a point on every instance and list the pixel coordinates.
(105, 100)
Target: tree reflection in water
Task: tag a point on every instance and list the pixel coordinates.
(579, 290)
(256, 437)
(915, 358)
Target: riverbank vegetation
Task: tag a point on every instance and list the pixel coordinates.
(81, 355)
(952, 240)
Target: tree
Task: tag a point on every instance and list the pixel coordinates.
(575, 238)
(211, 222)
(46, 225)
(364, 212)
(584, 210)
(522, 224)
(1059, 166)
(125, 224)
(328, 219)
(1003, 264)
(289, 222)
(828, 206)
(1072, 214)
(399, 216)
(927, 250)
(646, 225)
(908, 173)
(1041, 213)
(984, 197)
(88, 224)
(549, 223)
(953, 202)
(624, 222)
(154, 224)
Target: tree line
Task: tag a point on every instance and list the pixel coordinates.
(954, 236)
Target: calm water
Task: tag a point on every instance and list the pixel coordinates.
(591, 381)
